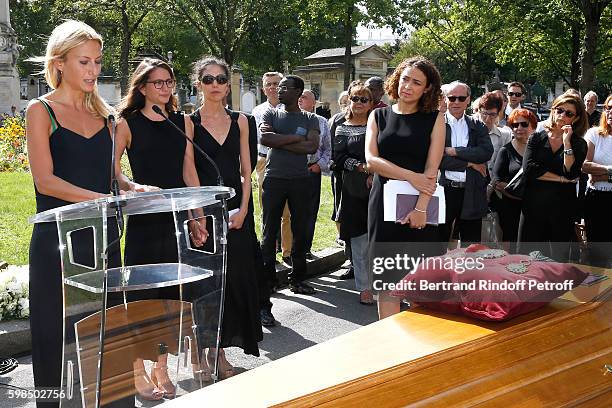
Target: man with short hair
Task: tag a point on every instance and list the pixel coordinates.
(516, 95)
(318, 163)
(270, 82)
(291, 135)
(376, 86)
(464, 167)
(590, 101)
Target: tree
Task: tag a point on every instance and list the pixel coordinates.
(114, 18)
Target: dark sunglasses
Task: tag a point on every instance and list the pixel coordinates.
(561, 111)
(608, 108)
(454, 98)
(517, 94)
(209, 79)
(516, 125)
(361, 99)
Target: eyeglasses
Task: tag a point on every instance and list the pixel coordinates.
(607, 108)
(517, 94)
(271, 84)
(209, 79)
(361, 99)
(490, 114)
(285, 87)
(454, 98)
(561, 111)
(159, 83)
(516, 125)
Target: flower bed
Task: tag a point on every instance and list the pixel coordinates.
(14, 297)
(13, 149)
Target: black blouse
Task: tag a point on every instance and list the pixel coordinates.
(507, 164)
(539, 157)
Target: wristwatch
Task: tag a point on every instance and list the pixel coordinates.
(568, 152)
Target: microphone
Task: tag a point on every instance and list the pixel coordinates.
(114, 183)
(158, 110)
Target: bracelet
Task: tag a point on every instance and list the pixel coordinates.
(609, 178)
(421, 211)
(569, 152)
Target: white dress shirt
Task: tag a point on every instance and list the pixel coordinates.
(459, 138)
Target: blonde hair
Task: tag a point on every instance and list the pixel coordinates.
(65, 37)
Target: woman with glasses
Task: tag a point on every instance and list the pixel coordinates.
(159, 157)
(508, 162)
(224, 136)
(598, 199)
(349, 153)
(551, 166)
(405, 141)
(489, 106)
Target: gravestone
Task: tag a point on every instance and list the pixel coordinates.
(9, 78)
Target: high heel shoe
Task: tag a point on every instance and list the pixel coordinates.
(225, 368)
(159, 376)
(144, 387)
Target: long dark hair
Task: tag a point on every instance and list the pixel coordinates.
(134, 101)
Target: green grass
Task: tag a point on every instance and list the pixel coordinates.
(17, 204)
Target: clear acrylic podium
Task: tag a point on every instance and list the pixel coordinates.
(103, 333)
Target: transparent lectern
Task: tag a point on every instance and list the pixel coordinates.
(104, 333)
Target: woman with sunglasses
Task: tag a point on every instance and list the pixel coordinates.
(551, 166)
(224, 135)
(405, 141)
(159, 158)
(349, 152)
(508, 162)
(598, 199)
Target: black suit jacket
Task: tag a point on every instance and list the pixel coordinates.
(478, 150)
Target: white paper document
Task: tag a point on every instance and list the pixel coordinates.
(393, 188)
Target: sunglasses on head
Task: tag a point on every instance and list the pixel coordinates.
(454, 98)
(209, 79)
(561, 111)
(361, 99)
(516, 125)
(517, 94)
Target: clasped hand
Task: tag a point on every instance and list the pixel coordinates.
(423, 183)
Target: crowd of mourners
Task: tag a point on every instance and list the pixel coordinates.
(541, 178)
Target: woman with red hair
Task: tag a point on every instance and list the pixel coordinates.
(509, 161)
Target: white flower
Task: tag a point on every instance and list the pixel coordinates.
(24, 305)
(13, 286)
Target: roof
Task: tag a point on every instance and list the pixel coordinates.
(320, 67)
(339, 52)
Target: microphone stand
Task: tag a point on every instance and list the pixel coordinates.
(222, 197)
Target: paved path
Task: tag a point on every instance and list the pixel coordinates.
(302, 322)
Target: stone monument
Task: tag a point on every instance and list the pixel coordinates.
(9, 51)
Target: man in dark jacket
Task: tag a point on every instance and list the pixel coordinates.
(464, 168)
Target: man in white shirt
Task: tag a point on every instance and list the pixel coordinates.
(516, 95)
(464, 167)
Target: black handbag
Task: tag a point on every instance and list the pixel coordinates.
(516, 186)
(355, 183)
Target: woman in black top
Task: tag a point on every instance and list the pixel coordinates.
(159, 157)
(509, 161)
(405, 141)
(349, 153)
(69, 148)
(224, 135)
(552, 165)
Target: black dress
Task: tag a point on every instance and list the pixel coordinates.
(550, 208)
(507, 164)
(403, 139)
(241, 322)
(156, 155)
(349, 148)
(84, 162)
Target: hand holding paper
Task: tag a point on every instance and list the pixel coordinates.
(400, 197)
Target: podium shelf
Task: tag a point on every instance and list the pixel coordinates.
(139, 277)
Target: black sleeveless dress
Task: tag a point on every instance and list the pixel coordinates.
(86, 163)
(404, 140)
(156, 155)
(241, 322)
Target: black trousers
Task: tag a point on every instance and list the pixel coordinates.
(470, 230)
(275, 193)
(598, 224)
(314, 201)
